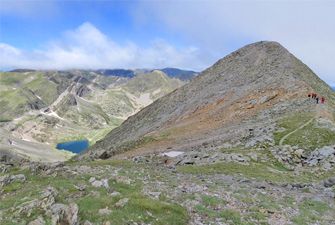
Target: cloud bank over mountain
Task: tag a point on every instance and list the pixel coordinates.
(88, 47)
(304, 27)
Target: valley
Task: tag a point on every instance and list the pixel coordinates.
(48, 107)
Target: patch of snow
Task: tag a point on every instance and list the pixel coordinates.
(172, 154)
(52, 113)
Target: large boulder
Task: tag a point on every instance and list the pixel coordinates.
(45, 202)
(38, 221)
(64, 214)
(329, 182)
(7, 179)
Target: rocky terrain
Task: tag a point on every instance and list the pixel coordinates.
(239, 101)
(153, 190)
(42, 108)
(242, 143)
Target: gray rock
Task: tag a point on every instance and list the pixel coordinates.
(329, 182)
(38, 221)
(97, 183)
(65, 215)
(123, 180)
(45, 202)
(299, 153)
(121, 203)
(238, 158)
(80, 187)
(73, 214)
(87, 223)
(105, 211)
(313, 162)
(253, 156)
(26, 208)
(92, 179)
(48, 197)
(266, 98)
(326, 151)
(327, 166)
(323, 156)
(154, 194)
(7, 179)
(58, 214)
(115, 193)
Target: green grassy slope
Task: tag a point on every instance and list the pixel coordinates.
(150, 82)
(108, 101)
(19, 91)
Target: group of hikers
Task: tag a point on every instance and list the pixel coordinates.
(317, 98)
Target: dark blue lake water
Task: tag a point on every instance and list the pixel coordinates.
(73, 146)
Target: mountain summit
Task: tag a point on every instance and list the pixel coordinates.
(237, 101)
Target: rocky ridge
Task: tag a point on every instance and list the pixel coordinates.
(237, 101)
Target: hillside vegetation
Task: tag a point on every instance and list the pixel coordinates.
(56, 106)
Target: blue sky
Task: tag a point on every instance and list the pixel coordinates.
(190, 34)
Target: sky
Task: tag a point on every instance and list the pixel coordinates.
(188, 34)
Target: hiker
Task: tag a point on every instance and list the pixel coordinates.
(317, 100)
(323, 100)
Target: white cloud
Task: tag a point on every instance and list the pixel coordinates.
(215, 27)
(88, 48)
(306, 28)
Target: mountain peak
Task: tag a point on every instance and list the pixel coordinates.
(247, 89)
(269, 63)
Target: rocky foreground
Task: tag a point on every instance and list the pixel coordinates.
(246, 186)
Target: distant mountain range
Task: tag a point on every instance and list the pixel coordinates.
(171, 72)
(116, 72)
(178, 73)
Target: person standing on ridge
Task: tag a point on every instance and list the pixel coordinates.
(317, 100)
(323, 100)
